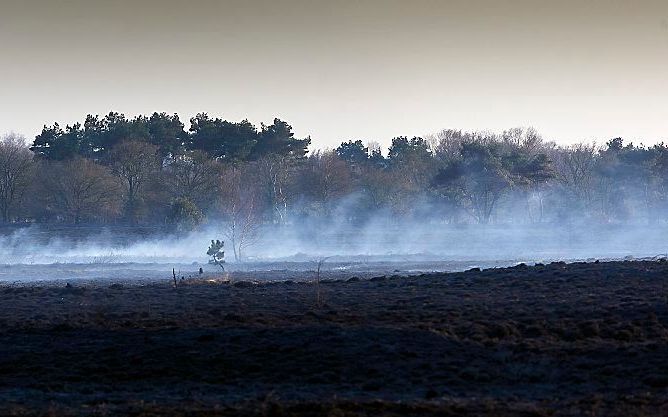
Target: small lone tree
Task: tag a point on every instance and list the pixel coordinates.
(217, 253)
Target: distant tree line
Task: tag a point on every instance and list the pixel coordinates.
(150, 170)
(225, 141)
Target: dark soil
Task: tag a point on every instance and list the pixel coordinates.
(553, 340)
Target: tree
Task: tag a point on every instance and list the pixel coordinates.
(56, 144)
(193, 176)
(378, 187)
(16, 171)
(575, 170)
(134, 163)
(404, 150)
(659, 172)
(98, 135)
(626, 179)
(324, 178)
(278, 139)
(527, 140)
(414, 166)
(529, 171)
(216, 253)
(240, 211)
(273, 177)
(115, 129)
(184, 215)
(354, 153)
(93, 130)
(447, 144)
(81, 190)
(476, 180)
(221, 139)
(376, 158)
(92, 140)
(162, 130)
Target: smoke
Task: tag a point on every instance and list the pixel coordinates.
(381, 236)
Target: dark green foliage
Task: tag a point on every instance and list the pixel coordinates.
(525, 168)
(216, 253)
(108, 132)
(627, 163)
(404, 150)
(457, 175)
(278, 139)
(222, 139)
(98, 136)
(376, 159)
(628, 172)
(475, 180)
(57, 144)
(354, 153)
(163, 130)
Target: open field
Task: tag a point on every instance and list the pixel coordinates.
(559, 339)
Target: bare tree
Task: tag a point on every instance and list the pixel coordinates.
(378, 186)
(273, 175)
(240, 210)
(81, 190)
(575, 170)
(193, 176)
(134, 162)
(16, 171)
(325, 178)
(527, 140)
(446, 145)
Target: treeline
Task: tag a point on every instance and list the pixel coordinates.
(225, 141)
(151, 170)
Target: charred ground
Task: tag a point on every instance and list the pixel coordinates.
(557, 339)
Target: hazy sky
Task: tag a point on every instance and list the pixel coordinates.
(338, 70)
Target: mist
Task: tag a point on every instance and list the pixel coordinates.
(450, 201)
(382, 237)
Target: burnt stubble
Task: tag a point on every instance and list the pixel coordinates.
(557, 339)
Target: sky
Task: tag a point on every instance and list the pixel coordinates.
(339, 70)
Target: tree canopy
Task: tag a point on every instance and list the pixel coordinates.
(221, 139)
(151, 170)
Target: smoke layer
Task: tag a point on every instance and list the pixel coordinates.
(380, 238)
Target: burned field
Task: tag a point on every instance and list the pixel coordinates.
(556, 339)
